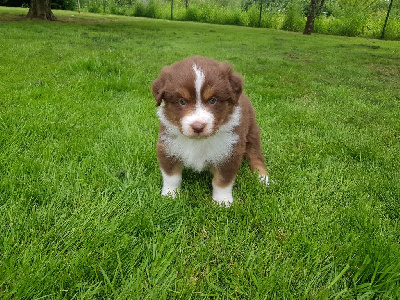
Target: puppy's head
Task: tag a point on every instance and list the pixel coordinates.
(197, 95)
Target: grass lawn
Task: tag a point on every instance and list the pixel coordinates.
(81, 214)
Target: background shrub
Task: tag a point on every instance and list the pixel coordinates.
(192, 14)
(253, 16)
(294, 17)
(393, 28)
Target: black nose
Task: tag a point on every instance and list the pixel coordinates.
(198, 127)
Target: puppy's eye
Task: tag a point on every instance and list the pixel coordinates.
(182, 102)
(212, 101)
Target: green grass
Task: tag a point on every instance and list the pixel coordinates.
(80, 210)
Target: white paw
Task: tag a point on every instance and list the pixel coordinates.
(168, 192)
(264, 179)
(224, 202)
(171, 184)
(223, 196)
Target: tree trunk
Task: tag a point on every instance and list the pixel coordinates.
(40, 9)
(386, 20)
(312, 12)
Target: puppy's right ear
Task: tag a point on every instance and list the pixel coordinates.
(158, 90)
(235, 82)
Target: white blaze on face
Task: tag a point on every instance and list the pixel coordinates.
(199, 81)
(200, 114)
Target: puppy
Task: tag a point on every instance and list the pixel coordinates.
(206, 122)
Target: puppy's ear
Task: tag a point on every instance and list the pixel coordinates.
(158, 90)
(237, 84)
(235, 81)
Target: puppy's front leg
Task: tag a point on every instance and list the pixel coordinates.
(171, 170)
(223, 180)
(171, 184)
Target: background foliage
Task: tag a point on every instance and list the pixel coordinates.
(338, 17)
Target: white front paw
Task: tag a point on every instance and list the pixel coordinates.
(223, 196)
(226, 201)
(171, 184)
(167, 191)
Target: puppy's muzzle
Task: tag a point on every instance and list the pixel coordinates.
(198, 127)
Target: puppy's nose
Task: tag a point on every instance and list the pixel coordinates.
(198, 127)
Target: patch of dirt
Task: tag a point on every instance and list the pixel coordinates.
(6, 17)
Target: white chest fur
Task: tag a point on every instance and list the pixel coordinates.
(199, 154)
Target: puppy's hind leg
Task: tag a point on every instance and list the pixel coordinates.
(254, 154)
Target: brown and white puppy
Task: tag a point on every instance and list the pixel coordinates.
(206, 122)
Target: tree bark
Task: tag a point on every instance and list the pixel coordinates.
(40, 9)
(312, 12)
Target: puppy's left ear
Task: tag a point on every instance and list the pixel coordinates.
(158, 90)
(236, 82)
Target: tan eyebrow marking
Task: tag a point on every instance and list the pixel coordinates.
(184, 93)
(208, 93)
